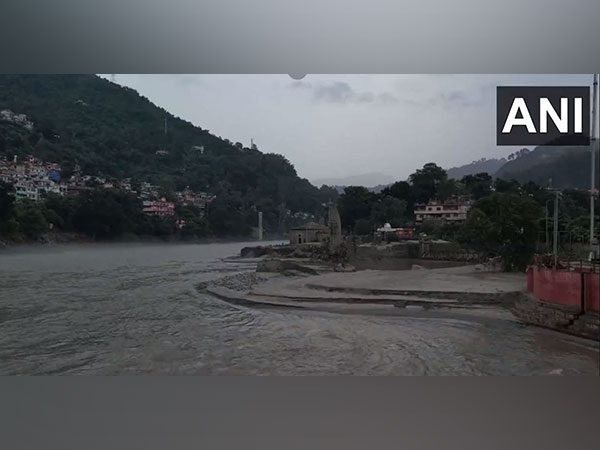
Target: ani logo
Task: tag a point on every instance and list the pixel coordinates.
(543, 115)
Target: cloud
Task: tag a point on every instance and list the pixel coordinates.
(342, 93)
(447, 99)
(459, 98)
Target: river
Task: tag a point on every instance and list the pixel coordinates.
(114, 309)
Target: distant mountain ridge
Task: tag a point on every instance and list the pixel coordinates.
(567, 167)
(490, 166)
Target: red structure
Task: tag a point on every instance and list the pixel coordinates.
(405, 233)
(592, 292)
(159, 207)
(576, 288)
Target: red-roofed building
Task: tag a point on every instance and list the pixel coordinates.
(159, 207)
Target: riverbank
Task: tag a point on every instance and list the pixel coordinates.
(466, 287)
(455, 292)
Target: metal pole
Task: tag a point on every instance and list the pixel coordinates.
(555, 246)
(260, 226)
(547, 238)
(594, 143)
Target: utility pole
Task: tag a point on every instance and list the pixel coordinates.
(555, 246)
(547, 238)
(260, 226)
(593, 148)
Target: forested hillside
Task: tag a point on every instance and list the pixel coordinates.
(113, 131)
(568, 167)
(483, 165)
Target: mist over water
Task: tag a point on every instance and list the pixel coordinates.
(135, 309)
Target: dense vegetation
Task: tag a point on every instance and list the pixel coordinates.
(566, 167)
(99, 214)
(113, 131)
(507, 218)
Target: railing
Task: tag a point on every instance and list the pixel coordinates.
(450, 255)
(569, 264)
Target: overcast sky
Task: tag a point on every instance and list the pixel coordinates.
(334, 126)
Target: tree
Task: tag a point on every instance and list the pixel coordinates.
(446, 189)
(505, 225)
(226, 216)
(504, 186)
(426, 181)
(195, 224)
(401, 190)
(6, 199)
(108, 213)
(30, 219)
(478, 185)
(354, 204)
(329, 193)
(389, 209)
(363, 227)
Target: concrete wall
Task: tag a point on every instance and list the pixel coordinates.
(558, 317)
(303, 236)
(565, 287)
(556, 286)
(562, 300)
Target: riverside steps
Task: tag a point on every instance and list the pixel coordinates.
(453, 292)
(456, 287)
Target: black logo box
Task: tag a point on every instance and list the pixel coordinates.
(519, 135)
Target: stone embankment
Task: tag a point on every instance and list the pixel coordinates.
(304, 283)
(456, 288)
(557, 317)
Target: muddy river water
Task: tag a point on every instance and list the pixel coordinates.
(135, 309)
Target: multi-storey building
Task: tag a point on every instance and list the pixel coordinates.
(158, 207)
(454, 210)
(199, 200)
(32, 179)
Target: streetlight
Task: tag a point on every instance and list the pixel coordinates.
(555, 246)
(555, 219)
(593, 149)
(547, 234)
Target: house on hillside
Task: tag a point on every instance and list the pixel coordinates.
(159, 208)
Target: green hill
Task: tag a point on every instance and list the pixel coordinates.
(113, 131)
(568, 167)
(483, 165)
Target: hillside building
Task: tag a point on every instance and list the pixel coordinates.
(159, 208)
